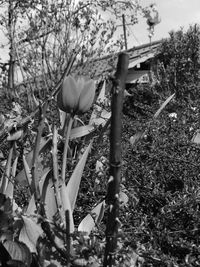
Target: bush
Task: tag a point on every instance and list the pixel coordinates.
(179, 63)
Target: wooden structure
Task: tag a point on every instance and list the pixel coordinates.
(139, 63)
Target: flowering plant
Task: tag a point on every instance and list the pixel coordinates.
(76, 95)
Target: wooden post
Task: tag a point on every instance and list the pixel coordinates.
(115, 160)
(11, 89)
(124, 29)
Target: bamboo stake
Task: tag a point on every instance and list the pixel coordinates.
(115, 160)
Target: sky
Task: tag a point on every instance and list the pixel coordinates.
(174, 15)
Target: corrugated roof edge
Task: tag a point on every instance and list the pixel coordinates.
(134, 52)
(130, 50)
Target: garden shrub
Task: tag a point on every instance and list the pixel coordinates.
(161, 171)
(179, 63)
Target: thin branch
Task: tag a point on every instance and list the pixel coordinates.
(28, 119)
(29, 39)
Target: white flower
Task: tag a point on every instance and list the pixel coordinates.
(173, 115)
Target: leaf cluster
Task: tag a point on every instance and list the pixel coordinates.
(178, 63)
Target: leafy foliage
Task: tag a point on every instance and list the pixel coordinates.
(162, 222)
(178, 67)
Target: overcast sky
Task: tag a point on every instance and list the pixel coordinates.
(173, 13)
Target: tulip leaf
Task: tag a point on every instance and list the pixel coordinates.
(9, 190)
(62, 118)
(5, 178)
(93, 219)
(30, 233)
(41, 168)
(196, 137)
(81, 131)
(5, 256)
(66, 205)
(45, 144)
(27, 171)
(78, 120)
(18, 252)
(31, 209)
(35, 101)
(163, 106)
(48, 196)
(10, 187)
(74, 182)
(14, 167)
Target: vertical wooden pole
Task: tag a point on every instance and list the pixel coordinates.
(124, 30)
(115, 160)
(11, 89)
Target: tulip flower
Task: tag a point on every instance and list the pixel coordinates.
(76, 96)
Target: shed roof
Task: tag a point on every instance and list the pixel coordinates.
(105, 65)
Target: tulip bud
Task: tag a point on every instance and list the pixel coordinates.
(86, 97)
(76, 96)
(68, 95)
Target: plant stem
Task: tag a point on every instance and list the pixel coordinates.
(67, 131)
(68, 240)
(55, 168)
(115, 160)
(35, 179)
